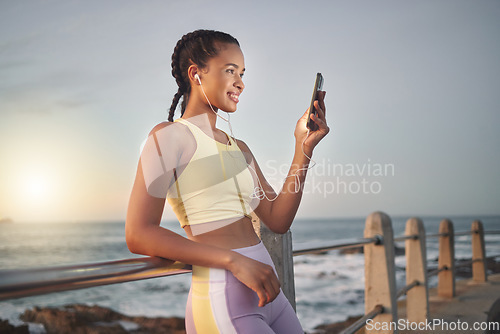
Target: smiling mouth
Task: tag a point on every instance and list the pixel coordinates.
(234, 97)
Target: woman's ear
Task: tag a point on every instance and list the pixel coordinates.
(194, 75)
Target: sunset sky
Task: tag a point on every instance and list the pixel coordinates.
(412, 100)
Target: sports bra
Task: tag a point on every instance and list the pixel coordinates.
(213, 190)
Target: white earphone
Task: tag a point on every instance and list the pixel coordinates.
(197, 77)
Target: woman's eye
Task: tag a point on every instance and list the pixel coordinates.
(230, 70)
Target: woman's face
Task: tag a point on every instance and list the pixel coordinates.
(222, 77)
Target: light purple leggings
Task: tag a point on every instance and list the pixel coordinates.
(219, 303)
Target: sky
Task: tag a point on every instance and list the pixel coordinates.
(412, 101)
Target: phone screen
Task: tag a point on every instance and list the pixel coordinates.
(318, 85)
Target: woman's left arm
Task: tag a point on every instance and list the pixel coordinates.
(278, 212)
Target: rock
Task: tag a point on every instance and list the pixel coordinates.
(7, 328)
(83, 319)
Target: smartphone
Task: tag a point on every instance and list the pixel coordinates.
(318, 85)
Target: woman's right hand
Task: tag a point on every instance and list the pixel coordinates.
(256, 275)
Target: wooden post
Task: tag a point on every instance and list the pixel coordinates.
(446, 278)
(256, 223)
(479, 273)
(380, 278)
(279, 247)
(417, 301)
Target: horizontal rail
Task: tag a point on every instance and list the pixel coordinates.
(471, 261)
(30, 282)
(465, 233)
(407, 288)
(360, 323)
(437, 271)
(436, 235)
(406, 237)
(466, 263)
(343, 244)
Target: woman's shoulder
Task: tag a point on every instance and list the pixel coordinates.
(160, 126)
(168, 128)
(172, 136)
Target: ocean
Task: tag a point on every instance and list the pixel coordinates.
(329, 287)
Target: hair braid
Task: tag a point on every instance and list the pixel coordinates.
(175, 101)
(196, 47)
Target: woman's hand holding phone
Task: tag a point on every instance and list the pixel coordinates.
(313, 120)
(318, 86)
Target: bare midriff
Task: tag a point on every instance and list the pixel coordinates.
(236, 235)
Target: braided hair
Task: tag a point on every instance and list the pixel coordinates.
(196, 47)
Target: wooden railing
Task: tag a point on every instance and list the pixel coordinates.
(380, 280)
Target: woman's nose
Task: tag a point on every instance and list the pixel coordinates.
(239, 84)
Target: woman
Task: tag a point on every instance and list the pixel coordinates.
(209, 179)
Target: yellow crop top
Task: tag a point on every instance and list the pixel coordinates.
(213, 190)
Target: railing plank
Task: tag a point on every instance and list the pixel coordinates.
(341, 244)
(30, 282)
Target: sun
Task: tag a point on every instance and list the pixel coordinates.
(35, 192)
(37, 186)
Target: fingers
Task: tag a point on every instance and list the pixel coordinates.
(319, 110)
(262, 297)
(323, 128)
(321, 100)
(270, 288)
(320, 121)
(319, 106)
(320, 117)
(266, 295)
(259, 277)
